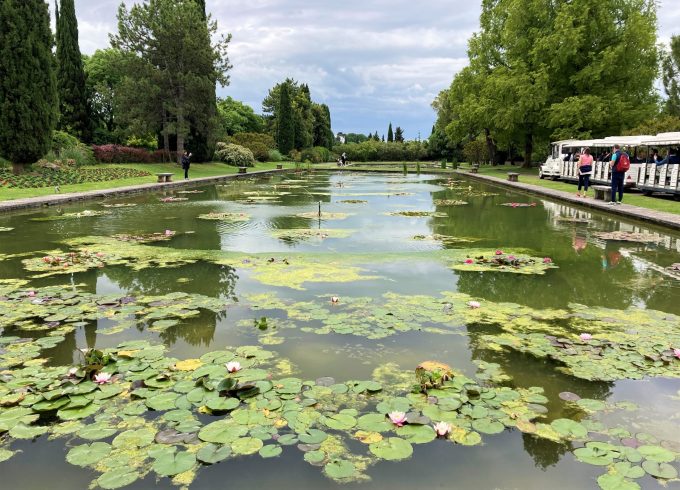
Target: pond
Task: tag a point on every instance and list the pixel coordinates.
(231, 333)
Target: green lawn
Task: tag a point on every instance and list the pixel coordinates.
(530, 176)
(197, 170)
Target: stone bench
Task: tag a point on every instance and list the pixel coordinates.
(513, 177)
(243, 170)
(474, 169)
(603, 193)
(164, 178)
(279, 166)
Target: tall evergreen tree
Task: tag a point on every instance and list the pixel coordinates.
(399, 135)
(73, 104)
(323, 135)
(390, 134)
(285, 139)
(671, 77)
(28, 94)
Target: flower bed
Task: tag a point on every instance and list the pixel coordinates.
(44, 177)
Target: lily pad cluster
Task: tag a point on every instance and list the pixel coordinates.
(630, 236)
(68, 216)
(233, 217)
(418, 214)
(304, 234)
(449, 202)
(500, 261)
(324, 215)
(131, 412)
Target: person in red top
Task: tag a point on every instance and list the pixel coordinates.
(585, 170)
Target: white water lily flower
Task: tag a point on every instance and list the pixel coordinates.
(102, 378)
(233, 366)
(442, 428)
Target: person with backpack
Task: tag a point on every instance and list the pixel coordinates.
(620, 164)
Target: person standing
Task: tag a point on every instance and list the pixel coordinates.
(620, 164)
(186, 163)
(585, 170)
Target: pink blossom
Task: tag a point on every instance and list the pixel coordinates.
(102, 378)
(169, 232)
(547, 260)
(469, 261)
(233, 366)
(99, 254)
(335, 300)
(31, 294)
(47, 260)
(442, 428)
(398, 418)
(474, 304)
(585, 337)
(676, 353)
(511, 257)
(499, 252)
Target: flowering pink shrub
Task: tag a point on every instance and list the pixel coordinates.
(128, 154)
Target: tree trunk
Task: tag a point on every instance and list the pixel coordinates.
(17, 168)
(490, 145)
(180, 136)
(528, 150)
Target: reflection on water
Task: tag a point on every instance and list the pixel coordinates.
(591, 271)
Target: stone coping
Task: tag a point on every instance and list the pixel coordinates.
(662, 218)
(57, 199)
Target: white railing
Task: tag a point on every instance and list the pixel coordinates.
(601, 172)
(659, 178)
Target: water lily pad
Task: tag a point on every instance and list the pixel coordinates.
(417, 434)
(213, 453)
(78, 413)
(340, 469)
(465, 437)
(270, 451)
(222, 404)
(627, 470)
(134, 438)
(594, 456)
(339, 421)
(488, 426)
(591, 405)
(313, 436)
(568, 396)
(315, 457)
(374, 422)
(5, 454)
(392, 449)
(657, 454)
(88, 454)
(169, 464)
(660, 470)
(569, 428)
(246, 445)
(21, 431)
(611, 481)
(222, 432)
(117, 478)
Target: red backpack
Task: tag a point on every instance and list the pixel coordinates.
(623, 164)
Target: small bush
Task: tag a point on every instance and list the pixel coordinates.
(260, 144)
(275, 156)
(295, 156)
(68, 147)
(236, 155)
(61, 140)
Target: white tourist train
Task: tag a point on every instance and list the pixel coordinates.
(655, 161)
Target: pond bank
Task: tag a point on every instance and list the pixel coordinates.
(626, 210)
(57, 199)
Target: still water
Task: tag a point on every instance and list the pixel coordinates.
(591, 271)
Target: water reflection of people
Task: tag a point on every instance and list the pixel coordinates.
(611, 257)
(579, 242)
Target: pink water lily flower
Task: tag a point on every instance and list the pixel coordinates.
(234, 366)
(499, 252)
(585, 337)
(474, 304)
(547, 260)
(335, 300)
(31, 294)
(511, 257)
(469, 261)
(169, 232)
(676, 353)
(442, 428)
(102, 378)
(398, 418)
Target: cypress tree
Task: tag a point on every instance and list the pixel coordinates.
(73, 107)
(399, 135)
(27, 83)
(390, 134)
(286, 126)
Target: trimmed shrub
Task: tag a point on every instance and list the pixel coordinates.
(68, 147)
(377, 151)
(318, 154)
(235, 155)
(260, 144)
(275, 156)
(127, 154)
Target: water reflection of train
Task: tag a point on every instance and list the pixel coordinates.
(655, 161)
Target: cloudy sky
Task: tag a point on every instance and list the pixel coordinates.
(372, 61)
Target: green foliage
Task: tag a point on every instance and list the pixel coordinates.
(356, 138)
(103, 75)
(73, 105)
(476, 151)
(285, 134)
(27, 85)
(275, 156)
(170, 68)
(377, 151)
(671, 77)
(67, 147)
(258, 143)
(235, 155)
(390, 134)
(322, 133)
(398, 135)
(656, 125)
(318, 154)
(538, 71)
(236, 117)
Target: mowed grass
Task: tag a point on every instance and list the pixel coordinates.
(530, 176)
(197, 170)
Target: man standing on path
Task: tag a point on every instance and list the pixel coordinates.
(186, 163)
(620, 165)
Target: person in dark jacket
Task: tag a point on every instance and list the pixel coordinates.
(618, 177)
(186, 163)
